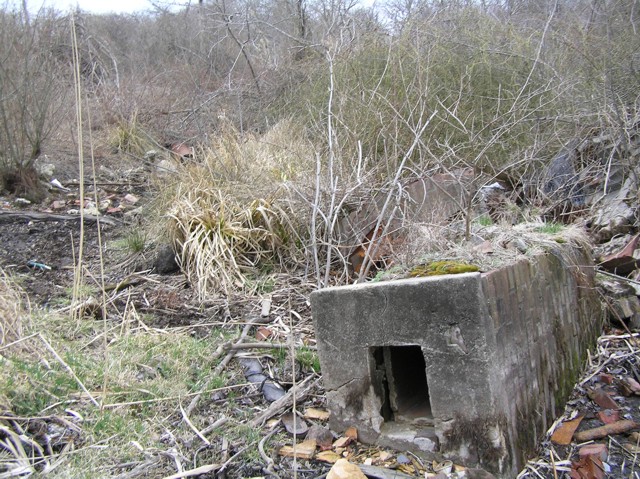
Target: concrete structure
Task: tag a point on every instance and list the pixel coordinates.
(471, 367)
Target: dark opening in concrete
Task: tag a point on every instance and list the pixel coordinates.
(402, 384)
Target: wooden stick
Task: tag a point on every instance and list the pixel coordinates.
(193, 428)
(10, 216)
(194, 472)
(68, 368)
(301, 391)
(617, 427)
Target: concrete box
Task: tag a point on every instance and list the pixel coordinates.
(470, 367)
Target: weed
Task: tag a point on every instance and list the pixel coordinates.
(136, 241)
(549, 228)
(484, 220)
(308, 359)
(129, 137)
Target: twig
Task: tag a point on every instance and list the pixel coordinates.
(230, 460)
(173, 398)
(628, 280)
(232, 349)
(261, 444)
(193, 428)
(270, 462)
(224, 362)
(301, 391)
(220, 422)
(194, 472)
(8, 217)
(236, 347)
(68, 368)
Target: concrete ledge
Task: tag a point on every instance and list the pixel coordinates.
(471, 367)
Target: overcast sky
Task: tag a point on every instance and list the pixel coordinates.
(95, 6)
(108, 6)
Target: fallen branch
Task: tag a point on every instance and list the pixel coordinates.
(617, 427)
(221, 349)
(193, 428)
(194, 472)
(231, 349)
(11, 216)
(237, 347)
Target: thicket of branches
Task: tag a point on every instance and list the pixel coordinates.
(381, 93)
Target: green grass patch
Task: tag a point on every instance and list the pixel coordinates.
(550, 228)
(308, 359)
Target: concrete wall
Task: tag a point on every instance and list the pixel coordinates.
(502, 351)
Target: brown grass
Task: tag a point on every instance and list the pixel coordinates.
(14, 309)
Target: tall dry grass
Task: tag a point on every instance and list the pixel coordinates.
(14, 309)
(236, 211)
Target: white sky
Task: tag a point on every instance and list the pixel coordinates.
(94, 6)
(107, 6)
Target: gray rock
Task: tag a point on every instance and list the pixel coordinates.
(165, 262)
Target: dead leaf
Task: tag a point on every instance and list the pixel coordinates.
(328, 456)
(343, 469)
(352, 432)
(407, 468)
(385, 455)
(602, 399)
(596, 449)
(317, 414)
(588, 467)
(263, 333)
(294, 425)
(564, 432)
(606, 378)
(608, 416)
(304, 450)
(342, 442)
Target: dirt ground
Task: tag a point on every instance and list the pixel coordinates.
(42, 252)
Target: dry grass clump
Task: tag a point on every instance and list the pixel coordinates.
(13, 309)
(231, 216)
(129, 137)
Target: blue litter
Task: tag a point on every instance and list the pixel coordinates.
(40, 266)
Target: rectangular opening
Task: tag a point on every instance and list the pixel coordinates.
(401, 384)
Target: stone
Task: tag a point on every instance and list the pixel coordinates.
(615, 216)
(596, 449)
(166, 167)
(131, 199)
(343, 469)
(322, 435)
(165, 261)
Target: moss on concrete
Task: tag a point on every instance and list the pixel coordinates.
(438, 268)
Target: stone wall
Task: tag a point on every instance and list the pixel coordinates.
(471, 367)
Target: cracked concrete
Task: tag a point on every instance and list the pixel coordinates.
(452, 366)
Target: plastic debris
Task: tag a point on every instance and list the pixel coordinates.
(36, 265)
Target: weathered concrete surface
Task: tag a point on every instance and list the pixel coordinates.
(471, 367)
